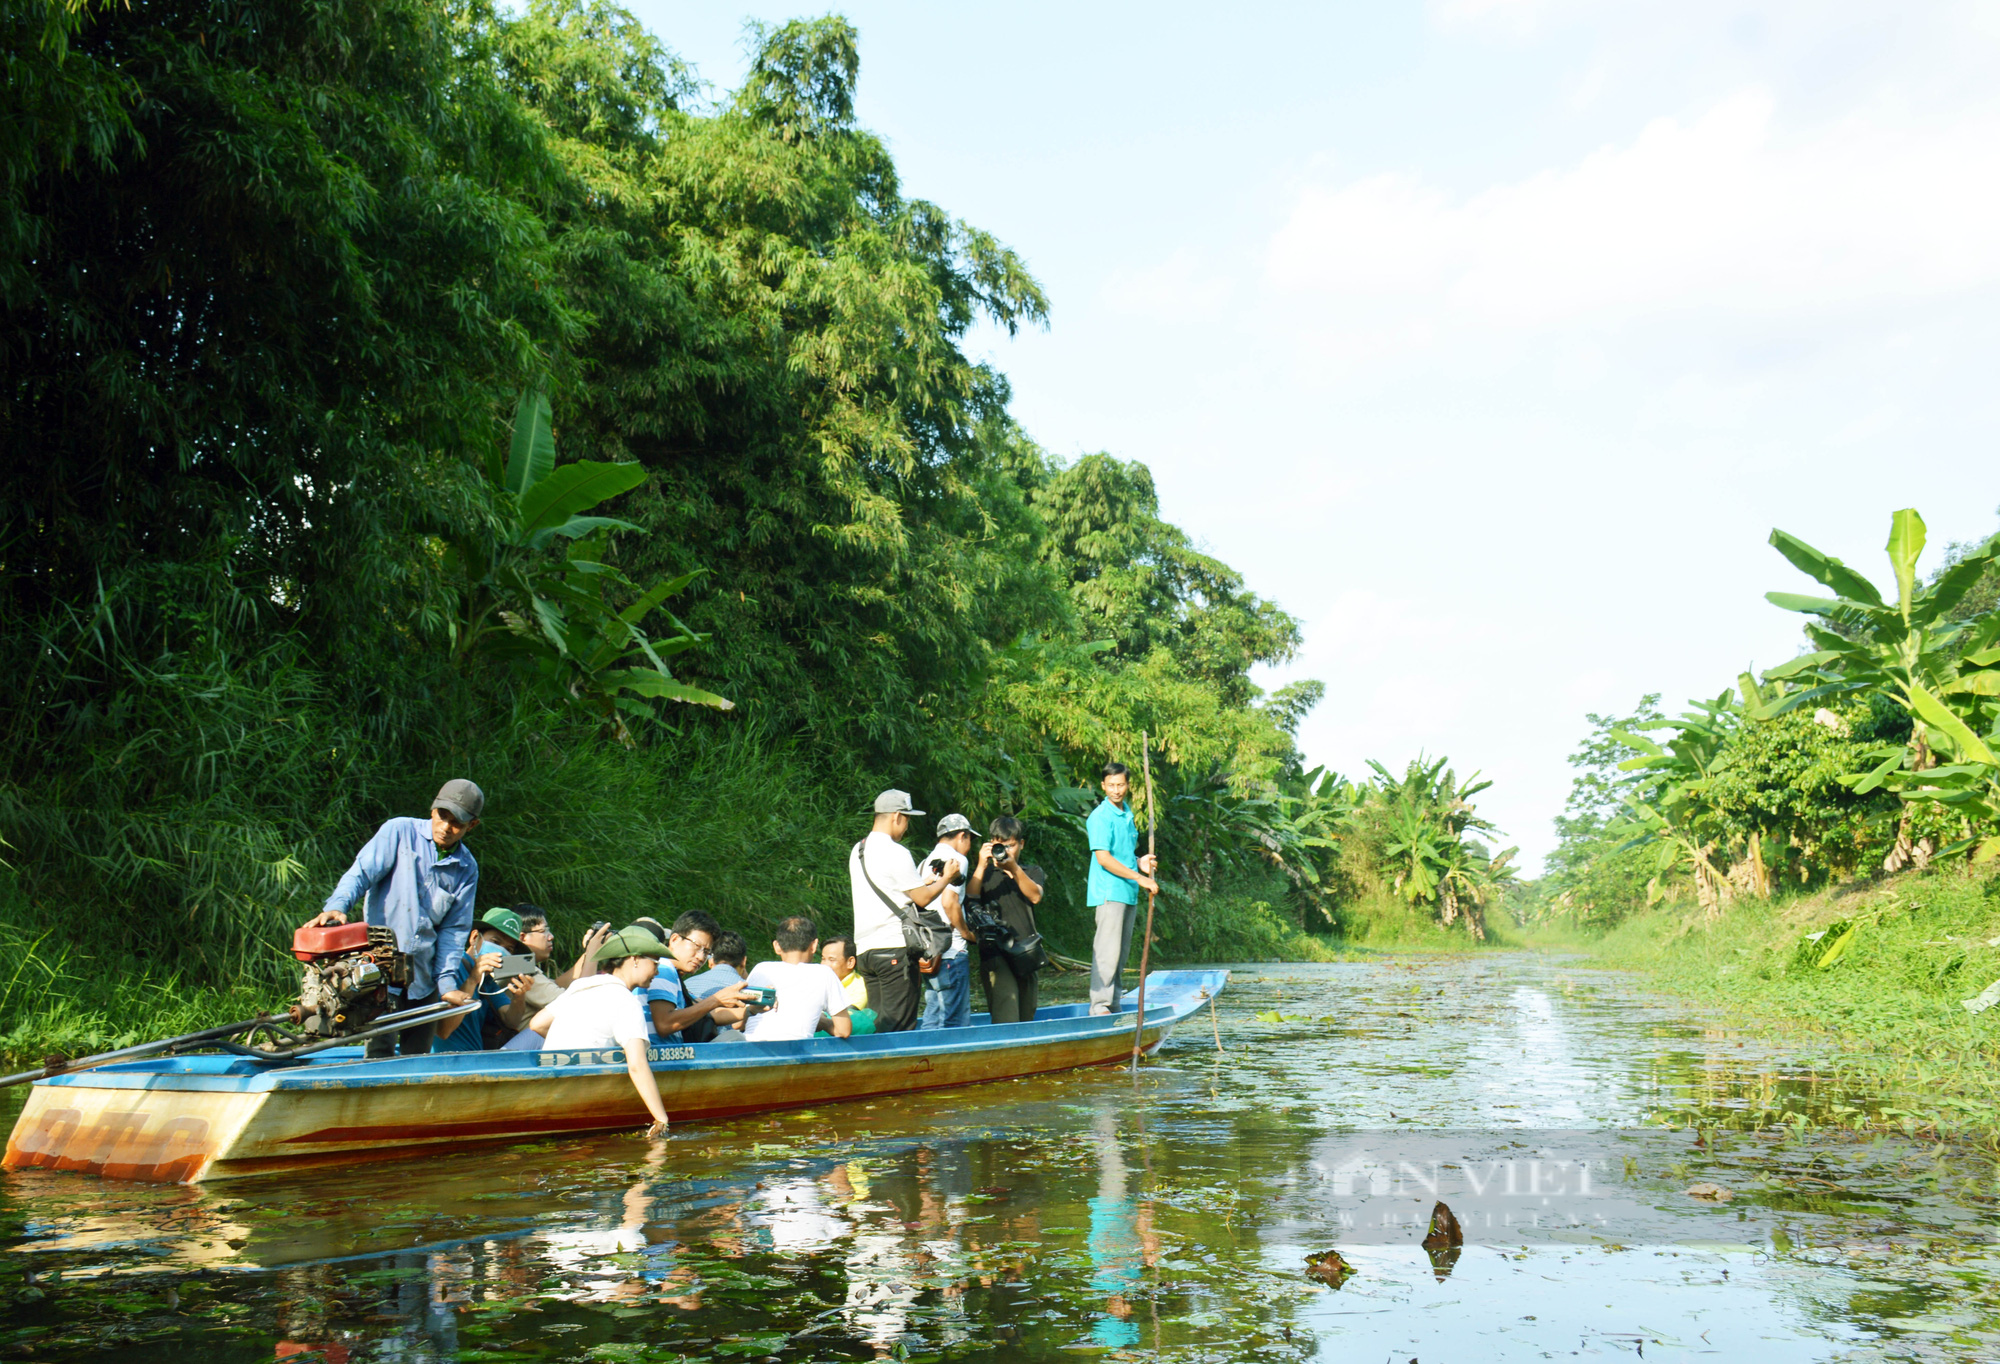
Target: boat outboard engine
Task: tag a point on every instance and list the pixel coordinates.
(349, 969)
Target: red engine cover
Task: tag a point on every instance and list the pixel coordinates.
(332, 940)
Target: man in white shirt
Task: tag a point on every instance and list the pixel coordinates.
(808, 990)
(883, 876)
(948, 990)
(603, 1011)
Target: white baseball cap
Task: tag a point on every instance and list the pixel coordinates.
(895, 803)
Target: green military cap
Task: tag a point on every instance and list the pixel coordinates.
(630, 942)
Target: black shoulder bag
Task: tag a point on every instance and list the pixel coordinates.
(925, 933)
(1025, 954)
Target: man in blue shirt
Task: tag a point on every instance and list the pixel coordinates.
(1114, 888)
(417, 877)
(504, 1009)
(731, 956)
(670, 1013)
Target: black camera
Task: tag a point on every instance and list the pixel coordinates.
(1001, 852)
(991, 930)
(937, 866)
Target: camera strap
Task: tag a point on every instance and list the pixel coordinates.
(928, 940)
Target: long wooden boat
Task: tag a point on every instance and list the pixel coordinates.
(183, 1119)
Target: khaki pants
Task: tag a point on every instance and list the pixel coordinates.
(1108, 950)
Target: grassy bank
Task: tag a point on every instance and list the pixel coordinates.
(1881, 968)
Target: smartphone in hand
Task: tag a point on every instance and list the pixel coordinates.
(513, 965)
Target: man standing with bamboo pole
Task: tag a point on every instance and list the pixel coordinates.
(1114, 887)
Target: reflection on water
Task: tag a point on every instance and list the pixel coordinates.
(1562, 1114)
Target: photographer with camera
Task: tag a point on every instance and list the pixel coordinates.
(1003, 892)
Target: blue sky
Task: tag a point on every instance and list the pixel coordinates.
(1488, 337)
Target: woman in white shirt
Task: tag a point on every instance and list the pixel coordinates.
(807, 988)
(603, 1011)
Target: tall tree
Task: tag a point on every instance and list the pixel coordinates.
(776, 336)
(1139, 582)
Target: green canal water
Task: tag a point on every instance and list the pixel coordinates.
(1562, 1113)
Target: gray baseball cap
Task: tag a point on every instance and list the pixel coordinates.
(953, 824)
(895, 803)
(461, 798)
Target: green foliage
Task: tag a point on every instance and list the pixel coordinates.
(775, 338)
(1883, 970)
(1670, 807)
(254, 309)
(274, 277)
(1830, 762)
(562, 617)
(1408, 834)
(1980, 599)
(1593, 875)
(1139, 582)
(1911, 650)
(1788, 780)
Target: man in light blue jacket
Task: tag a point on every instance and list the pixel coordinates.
(417, 877)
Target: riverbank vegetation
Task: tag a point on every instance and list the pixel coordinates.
(1896, 971)
(401, 391)
(1817, 844)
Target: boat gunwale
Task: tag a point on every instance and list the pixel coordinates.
(1195, 989)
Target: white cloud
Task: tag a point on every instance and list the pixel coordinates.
(1722, 213)
(1533, 333)
(1699, 404)
(1364, 627)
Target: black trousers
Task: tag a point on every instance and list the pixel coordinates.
(1009, 998)
(410, 1041)
(895, 989)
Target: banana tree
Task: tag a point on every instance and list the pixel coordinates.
(1944, 673)
(1470, 881)
(1295, 825)
(557, 615)
(1428, 813)
(1216, 826)
(1668, 807)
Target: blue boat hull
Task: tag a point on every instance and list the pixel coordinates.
(201, 1118)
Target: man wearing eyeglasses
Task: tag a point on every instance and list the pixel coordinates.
(540, 939)
(417, 877)
(690, 948)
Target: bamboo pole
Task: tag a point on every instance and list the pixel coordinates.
(1152, 850)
